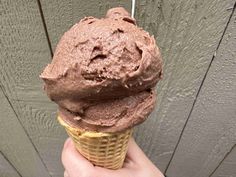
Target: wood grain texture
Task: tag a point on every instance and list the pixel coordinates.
(16, 145)
(61, 15)
(24, 53)
(211, 130)
(227, 167)
(6, 169)
(188, 33)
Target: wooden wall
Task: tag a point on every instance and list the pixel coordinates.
(192, 131)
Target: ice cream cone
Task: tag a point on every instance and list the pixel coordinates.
(104, 73)
(106, 150)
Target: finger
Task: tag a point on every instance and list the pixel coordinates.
(137, 159)
(123, 172)
(134, 154)
(73, 161)
(66, 174)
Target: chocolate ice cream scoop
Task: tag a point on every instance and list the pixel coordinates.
(103, 73)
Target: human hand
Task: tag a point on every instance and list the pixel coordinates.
(136, 164)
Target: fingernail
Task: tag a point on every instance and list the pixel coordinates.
(67, 142)
(66, 174)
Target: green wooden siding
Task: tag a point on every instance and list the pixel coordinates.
(193, 128)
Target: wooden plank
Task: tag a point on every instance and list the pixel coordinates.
(211, 130)
(24, 53)
(227, 167)
(61, 15)
(188, 33)
(47, 135)
(187, 37)
(6, 169)
(23, 57)
(16, 145)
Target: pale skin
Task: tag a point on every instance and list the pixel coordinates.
(136, 164)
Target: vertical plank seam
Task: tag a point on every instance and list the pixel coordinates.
(45, 27)
(203, 80)
(10, 164)
(234, 144)
(17, 117)
(212, 173)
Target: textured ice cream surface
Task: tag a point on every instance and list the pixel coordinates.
(113, 115)
(103, 73)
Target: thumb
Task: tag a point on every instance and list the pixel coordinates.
(136, 160)
(73, 161)
(135, 156)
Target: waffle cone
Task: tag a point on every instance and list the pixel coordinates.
(106, 150)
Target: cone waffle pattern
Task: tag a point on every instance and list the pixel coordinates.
(106, 150)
